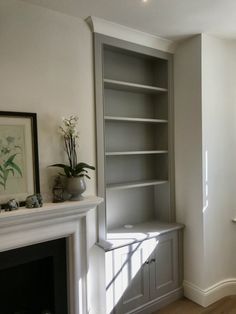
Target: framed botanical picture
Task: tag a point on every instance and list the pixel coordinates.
(19, 165)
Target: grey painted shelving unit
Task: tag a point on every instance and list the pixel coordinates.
(135, 159)
(134, 134)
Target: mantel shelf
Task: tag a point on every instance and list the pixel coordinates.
(140, 152)
(122, 85)
(134, 184)
(49, 211)
(127, 119)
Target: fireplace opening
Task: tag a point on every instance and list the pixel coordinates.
(33, 279)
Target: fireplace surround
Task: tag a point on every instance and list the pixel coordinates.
(68, 220)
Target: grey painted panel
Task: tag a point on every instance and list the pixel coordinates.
(153, 305)
(122, 236)
(121, 60)
(164, 269)
(132, 279)
(163, 202)
(121, 169)
(131, 119)
(131, 48)
(135, 184)
(100, 167)
(145, 274)
(171, 140)
(133, 87)
(129, 104)
(135, 68)
(131, 136)
(130, 206)
(161, 106)
(134, 64)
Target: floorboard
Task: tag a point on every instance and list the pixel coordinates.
(226, 305)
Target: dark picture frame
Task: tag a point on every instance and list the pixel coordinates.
(19, 161)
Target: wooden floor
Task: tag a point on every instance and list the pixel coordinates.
(226, 305)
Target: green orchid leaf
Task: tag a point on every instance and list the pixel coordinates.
(61, 174)
(15, 167)
(67, 169)
(12, 171)
(83, 165)
(9, 160)
(2, 184)
(73, 172)
(59, 165)
(6, 175)
(1, 169)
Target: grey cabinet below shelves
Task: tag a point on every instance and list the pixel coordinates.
(139, 275)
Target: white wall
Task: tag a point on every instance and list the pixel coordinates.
(219, 141)
(188, 156)
(46, 67)
(205, 111)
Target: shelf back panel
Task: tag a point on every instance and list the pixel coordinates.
(130, 206)
(121, 169)
(128, 136)
(129, 104)
(135, 68)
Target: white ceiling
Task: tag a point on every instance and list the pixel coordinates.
(172, 19)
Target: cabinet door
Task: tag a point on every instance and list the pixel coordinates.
(128, 282)
(164, 265)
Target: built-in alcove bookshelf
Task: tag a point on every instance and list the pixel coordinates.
(136, 136)
(134, 115)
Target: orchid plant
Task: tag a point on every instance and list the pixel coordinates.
(69, 131)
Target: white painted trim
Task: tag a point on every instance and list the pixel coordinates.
(27, 226)
(108, 28)
(205, 297)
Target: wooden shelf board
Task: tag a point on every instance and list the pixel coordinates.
(141, 152)
(122, 85)
(127, 119)
(134, 184)
(123, 236)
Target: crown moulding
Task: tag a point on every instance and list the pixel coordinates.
(101, 26)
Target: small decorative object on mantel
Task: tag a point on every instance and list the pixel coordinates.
(34, 201)
(58, 190)
(75, 172)
(12, 205)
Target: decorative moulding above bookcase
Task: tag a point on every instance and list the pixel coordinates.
(119, 31)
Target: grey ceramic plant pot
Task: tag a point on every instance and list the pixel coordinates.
(76, 187)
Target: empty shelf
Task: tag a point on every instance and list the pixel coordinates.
(122, 85)
(138, 152)
(127, 119)
(134, 184)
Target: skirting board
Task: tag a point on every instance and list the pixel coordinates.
(206, 297)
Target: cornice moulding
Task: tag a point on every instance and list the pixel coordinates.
(108, 28)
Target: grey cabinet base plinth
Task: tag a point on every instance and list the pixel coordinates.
(160, 302)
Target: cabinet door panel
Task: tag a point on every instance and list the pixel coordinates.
(164, 268)
(129, 287)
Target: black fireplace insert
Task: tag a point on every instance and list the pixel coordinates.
(33, 279)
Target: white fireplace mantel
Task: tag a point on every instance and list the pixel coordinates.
(25, 227)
